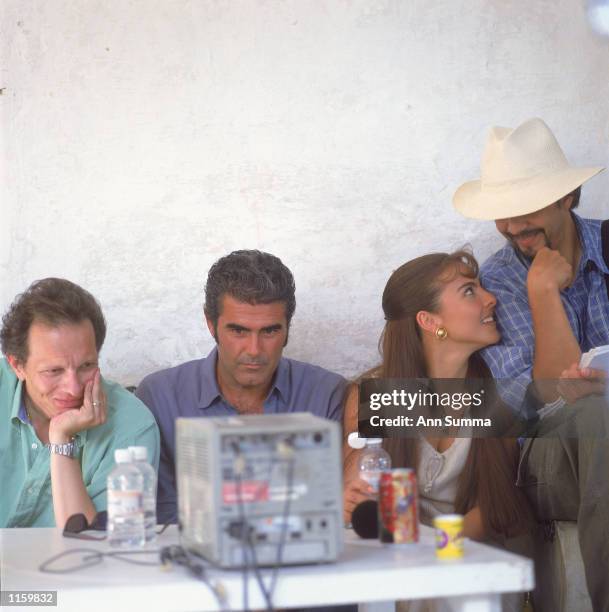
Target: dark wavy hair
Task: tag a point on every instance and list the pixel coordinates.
(52, 301)
(249, 276)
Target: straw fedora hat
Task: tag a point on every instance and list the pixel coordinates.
(523, 170)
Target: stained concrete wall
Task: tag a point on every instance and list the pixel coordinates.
(143, 139)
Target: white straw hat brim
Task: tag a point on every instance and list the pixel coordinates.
(521, 197)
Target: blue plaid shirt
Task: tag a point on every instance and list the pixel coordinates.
(585, 302)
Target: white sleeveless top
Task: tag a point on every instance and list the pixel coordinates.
(438, 475)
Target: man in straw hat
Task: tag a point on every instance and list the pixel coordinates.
(550, 281)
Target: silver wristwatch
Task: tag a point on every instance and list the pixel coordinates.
(68, 449)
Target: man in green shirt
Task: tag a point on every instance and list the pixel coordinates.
(60, 421)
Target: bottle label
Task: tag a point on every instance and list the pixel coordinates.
(124, 503)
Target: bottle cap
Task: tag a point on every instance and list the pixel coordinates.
(138, 453)
(371, 441)
(122, 455)
(355, 441)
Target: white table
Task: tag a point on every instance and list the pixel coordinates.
(368, 573)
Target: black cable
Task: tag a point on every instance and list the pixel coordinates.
(93, 554)
(168, 554)
(284, 527)
(120, 555)
(244, 527)
(181, 556)
(246, 542)
(246, 532)
(199, 570)
(258, 575)
(268, 592)
(163, 528)
(95, 557)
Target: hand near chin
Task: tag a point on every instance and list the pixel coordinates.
(549, 271)
(92, 413)
(576, 382)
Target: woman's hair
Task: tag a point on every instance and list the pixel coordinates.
(487, 479)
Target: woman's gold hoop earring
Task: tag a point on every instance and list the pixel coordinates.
(441, 333)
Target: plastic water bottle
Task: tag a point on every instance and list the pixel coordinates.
(125, 508)
(373, 461)
(139, 456)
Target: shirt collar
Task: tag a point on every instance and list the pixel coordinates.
(18, 408)
(590, 241)
(281, 381)
(210, 391)
(22, 413)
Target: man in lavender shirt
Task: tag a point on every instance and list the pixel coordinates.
(249, 303)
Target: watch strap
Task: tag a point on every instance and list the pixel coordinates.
(67, 449)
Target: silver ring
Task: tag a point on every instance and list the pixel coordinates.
(96, 404)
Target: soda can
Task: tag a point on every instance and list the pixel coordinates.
(398, 507)
(449, 536)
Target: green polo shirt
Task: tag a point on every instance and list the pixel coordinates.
(25, 478)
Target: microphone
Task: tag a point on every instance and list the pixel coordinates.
(364, 520)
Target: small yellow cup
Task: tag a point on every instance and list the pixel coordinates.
(449, 536)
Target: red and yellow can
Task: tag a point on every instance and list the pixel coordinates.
(398, 507)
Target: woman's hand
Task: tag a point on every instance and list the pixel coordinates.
(354, 493)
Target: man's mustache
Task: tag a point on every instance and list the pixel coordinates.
(525, 234)
(261, 361)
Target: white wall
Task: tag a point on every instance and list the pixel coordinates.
(143, 139)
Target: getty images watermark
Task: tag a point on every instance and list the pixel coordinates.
(437, 407)
(421, 403)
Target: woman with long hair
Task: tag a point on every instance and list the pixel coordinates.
(438, 317)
